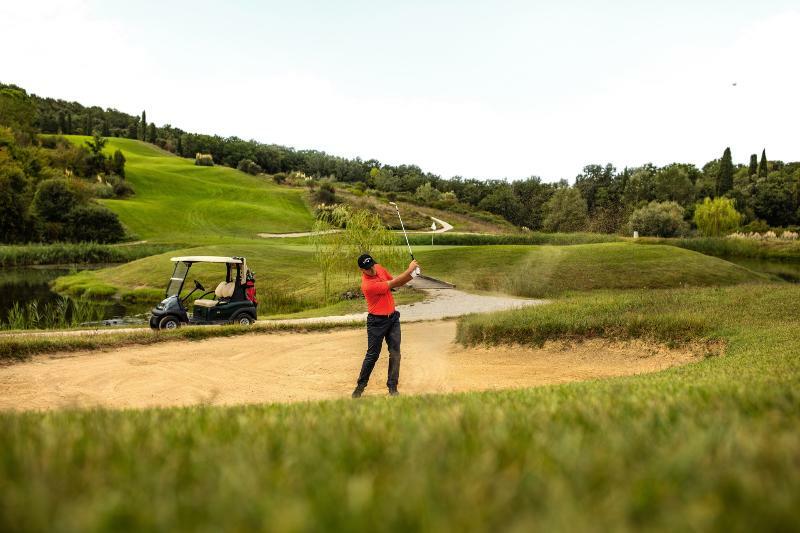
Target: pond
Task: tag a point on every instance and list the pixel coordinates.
(782, 270)
(27, 290)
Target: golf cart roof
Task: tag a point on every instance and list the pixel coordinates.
(207, 259)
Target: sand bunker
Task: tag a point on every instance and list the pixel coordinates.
(292, 367)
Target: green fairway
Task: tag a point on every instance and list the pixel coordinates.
(709, 446)
(289, 281)
(177, 201)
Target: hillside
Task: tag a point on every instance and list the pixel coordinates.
(177, 201)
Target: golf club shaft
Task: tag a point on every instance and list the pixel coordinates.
(404, 231)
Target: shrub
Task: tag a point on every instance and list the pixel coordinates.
(93, 223)
(54, 199)
(249, 166)
(102, 190)
(326, 194)
(279, 178)
(123, 189)
(566, 211)
(659, 219)
(204, 160)
(757, 226)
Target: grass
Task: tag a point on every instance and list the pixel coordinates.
(177, 201)
(713, 445)
(16, 348)
(75, 253)
(546, 271)
(477, 239)
(774, 250)
(288, 280)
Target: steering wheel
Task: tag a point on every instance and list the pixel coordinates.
(199, 286)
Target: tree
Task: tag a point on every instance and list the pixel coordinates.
(426, 194)
(54, 199)
(62, 123)
(717, 217)
(659, 219)
(773, 200)
(501, 201)
(118, 163)
(152, 133)
(762, 166)
(105, 127)
(96, 161)
(143, 127)
(725, 176)
(93, 223)
(69, 124)
(14, 219)
(179, 146)
(17, 111)
(753, 170)
(566, 211)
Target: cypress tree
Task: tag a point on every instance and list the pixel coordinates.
(143, 127)
(69, 124)
(725, 176)
(87, 125)
(762, 166)
(179, 147)
(152, 134)
(753, 165)
(62, 124)
(105, 127)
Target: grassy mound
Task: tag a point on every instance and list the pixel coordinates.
(538, 271)
(176, 201)
(708, 446)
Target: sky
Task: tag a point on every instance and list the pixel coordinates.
(502, 89)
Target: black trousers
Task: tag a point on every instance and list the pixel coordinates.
(380, 328)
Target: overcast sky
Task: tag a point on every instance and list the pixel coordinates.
(478, 89)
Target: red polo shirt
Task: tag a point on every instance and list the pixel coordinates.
(377, 292)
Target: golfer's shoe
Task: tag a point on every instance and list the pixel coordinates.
(357, 392)
(394, 392)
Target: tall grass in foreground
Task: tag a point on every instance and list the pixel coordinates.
(68, 253)
(63, 313)
(711, 446)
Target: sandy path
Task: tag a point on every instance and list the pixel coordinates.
(314, 366)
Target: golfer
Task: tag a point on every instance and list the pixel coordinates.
(383, 320)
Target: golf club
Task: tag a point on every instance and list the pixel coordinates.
(416, 270)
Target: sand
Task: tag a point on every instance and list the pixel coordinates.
(290, 367)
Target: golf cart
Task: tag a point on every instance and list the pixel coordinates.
(232, 302)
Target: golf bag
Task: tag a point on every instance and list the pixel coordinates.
(250, 287)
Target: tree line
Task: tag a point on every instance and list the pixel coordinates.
(601, 198)
(48, 185)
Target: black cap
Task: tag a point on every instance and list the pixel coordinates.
(366, 261)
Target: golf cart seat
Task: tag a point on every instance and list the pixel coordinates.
(223, 291)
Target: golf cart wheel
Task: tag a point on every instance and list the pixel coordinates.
(242, 319)
(169, 322)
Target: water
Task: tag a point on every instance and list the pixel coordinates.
(777, 269)
(24, 285)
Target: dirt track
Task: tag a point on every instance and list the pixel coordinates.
(315, 366)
